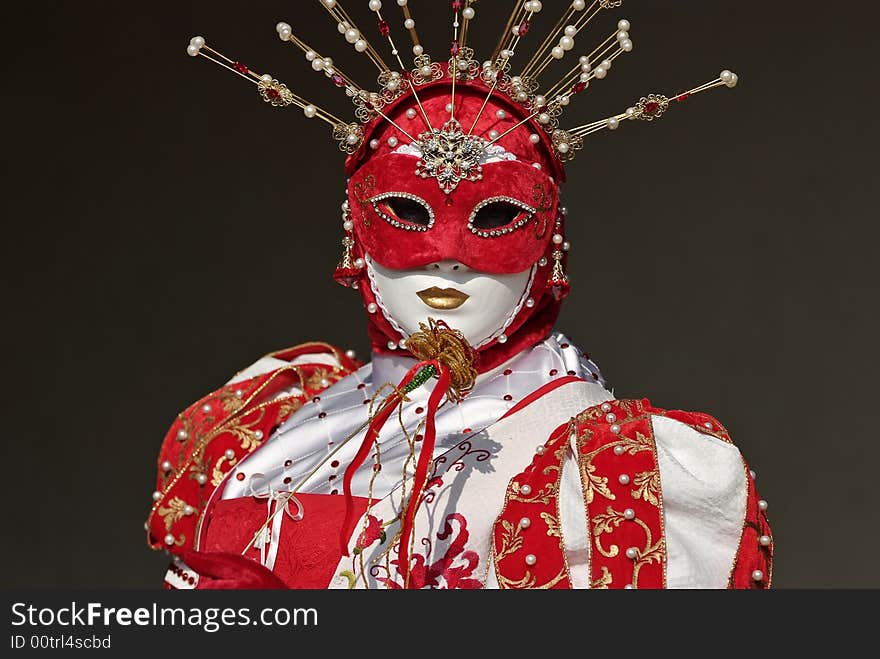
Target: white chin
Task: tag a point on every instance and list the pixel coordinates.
(492, 304)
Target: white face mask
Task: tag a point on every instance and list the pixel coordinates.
(480, 305)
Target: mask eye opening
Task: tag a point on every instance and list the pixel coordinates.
(483, 219)
(403, 210)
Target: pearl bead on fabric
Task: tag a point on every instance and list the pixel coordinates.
(531, 559)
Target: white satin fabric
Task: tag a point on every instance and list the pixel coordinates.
(299, 445)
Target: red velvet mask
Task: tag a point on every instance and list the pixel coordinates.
(456, 229)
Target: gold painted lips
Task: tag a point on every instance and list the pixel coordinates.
(443, 298)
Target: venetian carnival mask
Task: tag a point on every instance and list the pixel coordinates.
(450, 227)
(453, 201)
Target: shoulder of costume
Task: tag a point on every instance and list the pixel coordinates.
(696, 451)
(693, 442)
(212, 435)
(636, 462)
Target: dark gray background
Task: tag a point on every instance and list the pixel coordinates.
(163, 228)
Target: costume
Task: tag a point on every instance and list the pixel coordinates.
(479, 447)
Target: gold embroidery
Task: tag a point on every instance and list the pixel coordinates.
(316, 379)
(511, 540)
(529, 581)
(554, 530)
(652, 551)
(197, 464)
(217, 474)
(626, 411)
(362, 193)
(594, 483)
(287, 408)
(230, 401)
(659, 494)
(173, 513)
(606, 523)
(247, 434)
(604, 581)
(630, 445)
(560, 458)
(647, 487)
(544, 495)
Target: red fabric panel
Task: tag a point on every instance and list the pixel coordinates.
(617, 441)
(533, 495)
(230, 571)
(309, 549)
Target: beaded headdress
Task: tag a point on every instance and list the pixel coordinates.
(544, 104)
(450, 140)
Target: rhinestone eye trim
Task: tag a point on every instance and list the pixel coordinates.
(395, 222)
(508, 228)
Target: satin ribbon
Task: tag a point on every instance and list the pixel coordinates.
(426, 455)
(273, 498)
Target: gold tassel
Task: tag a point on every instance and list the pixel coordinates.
(436, 340)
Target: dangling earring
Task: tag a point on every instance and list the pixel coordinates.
(348, 271)
(558, 285)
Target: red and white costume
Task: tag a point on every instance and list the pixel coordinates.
(530, 474)
(534, 484)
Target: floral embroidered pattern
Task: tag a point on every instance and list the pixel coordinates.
(453, 569)
(647, 487)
